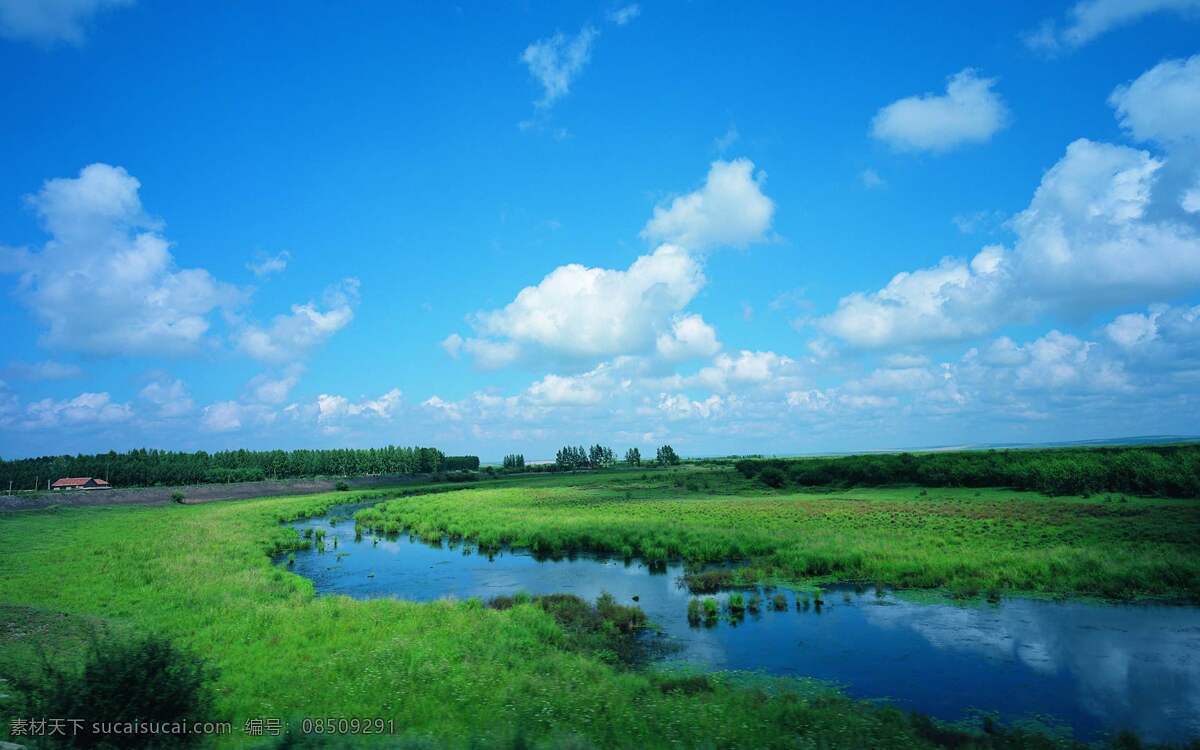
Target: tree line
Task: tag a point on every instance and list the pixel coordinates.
(1164, 471)
(599, 456)
(147, 467)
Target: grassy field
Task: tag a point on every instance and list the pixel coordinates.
(968, 541)
(460, 674)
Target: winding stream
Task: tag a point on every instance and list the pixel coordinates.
(1097, 668)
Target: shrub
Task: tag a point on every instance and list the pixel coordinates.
(123, 680)
(177, 497)
(342, 487)
(772, 476)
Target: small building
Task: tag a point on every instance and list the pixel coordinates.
(80, 483)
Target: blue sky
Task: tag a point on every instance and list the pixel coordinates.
(499, 228)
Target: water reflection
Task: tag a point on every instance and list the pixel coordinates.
(1094, 667)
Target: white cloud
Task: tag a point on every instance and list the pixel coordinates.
(106, 282)
(679, 406)
(1091, 237)
(170, 397)
(748, 367)
(266, 265)
(556, 61)
(289, 337)
(1089, 19)
(949, 301)
(84, 409)
(44, 370)
(723, 142)
(969, 112)
(576, 311)
(1190, 201)
(452, 345)
(624, 15)
(730, 209)
(1088, 235)
(1162, 104)
(266, 389)
(491, 355)
(50, 21)
(223, 416)
(871, 179)
(331, 408)
(689, 337)
(559, 390)
(447, 409)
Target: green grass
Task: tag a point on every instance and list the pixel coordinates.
(462, 674)
(966, 541)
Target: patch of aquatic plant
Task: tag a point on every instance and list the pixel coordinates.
(713, 580)
(779, 602)
(736, 604)
(605, 629)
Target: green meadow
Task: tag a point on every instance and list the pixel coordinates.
(463, 674)
(961, 541)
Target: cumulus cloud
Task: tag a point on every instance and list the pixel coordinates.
(748, 367)
(106, 281)
(556, 61)
(969, 112)
(332, 408)
(1089, 19)
(267, 265)
(559, 390)
(266, 388)
(84, 409)
(729, 210)
(576, 311)
(169, 397)
(289, 337)
(44, 370)
(951, 300)
(679, 406)
(223, 416)
(1091, 237)
(689, 337)
(1162, 104)
(50, 21)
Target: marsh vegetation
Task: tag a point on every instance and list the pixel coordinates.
(532, 672)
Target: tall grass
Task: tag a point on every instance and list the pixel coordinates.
(965, 541)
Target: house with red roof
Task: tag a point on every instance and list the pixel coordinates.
(80, 483)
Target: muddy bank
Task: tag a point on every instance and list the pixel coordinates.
(195, 493)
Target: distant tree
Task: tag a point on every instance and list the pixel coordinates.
(599, 455)
(570, 457)
(667, 456)
(633, 457)
(514, 461)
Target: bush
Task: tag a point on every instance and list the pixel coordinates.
(123, 680)
(342, 487)
(772, 476)
(177, 497)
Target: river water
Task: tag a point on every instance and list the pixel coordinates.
(1097, 668)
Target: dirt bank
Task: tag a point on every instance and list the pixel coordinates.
(194, 493)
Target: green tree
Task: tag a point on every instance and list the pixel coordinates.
(667, 456)
(633, 457)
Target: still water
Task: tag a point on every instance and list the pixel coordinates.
(1095, 668)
